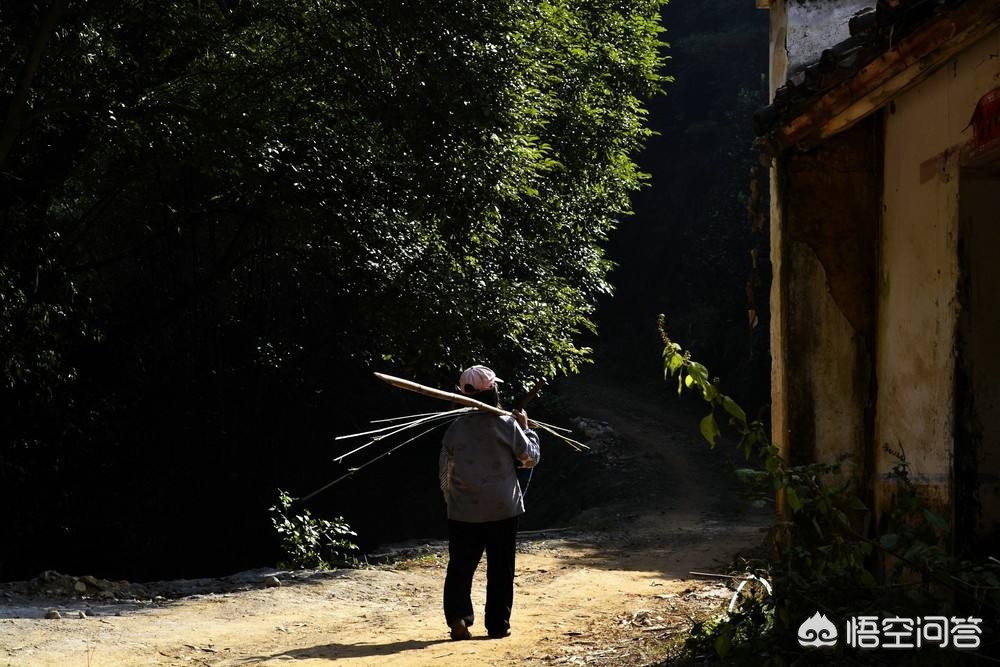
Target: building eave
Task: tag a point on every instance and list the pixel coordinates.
(891, 72)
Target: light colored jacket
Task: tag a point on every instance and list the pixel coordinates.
(476, 467)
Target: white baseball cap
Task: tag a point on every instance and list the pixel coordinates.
(476, 379)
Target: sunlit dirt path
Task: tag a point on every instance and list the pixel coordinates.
(583, 596)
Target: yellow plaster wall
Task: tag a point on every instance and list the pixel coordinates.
(918, 268)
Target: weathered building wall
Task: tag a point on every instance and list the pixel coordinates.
(824, 222)
(830, 199)
(778, 63)
(919, 271)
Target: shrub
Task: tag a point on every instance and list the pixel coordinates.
(310, 542)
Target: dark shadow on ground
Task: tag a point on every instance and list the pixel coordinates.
(335, 651)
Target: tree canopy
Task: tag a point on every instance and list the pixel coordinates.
(215, 207)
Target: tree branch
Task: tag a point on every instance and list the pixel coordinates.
(15, 108)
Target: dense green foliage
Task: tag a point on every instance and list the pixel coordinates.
(827, 554)
(217, 215)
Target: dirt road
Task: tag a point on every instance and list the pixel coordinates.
(583, 596)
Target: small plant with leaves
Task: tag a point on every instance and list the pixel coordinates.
(310, 542)
(826, 554)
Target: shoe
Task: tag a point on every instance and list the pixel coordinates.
(459, 630)
(499, 635)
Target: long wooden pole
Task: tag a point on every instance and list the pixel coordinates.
(440, 394)
(461, 399)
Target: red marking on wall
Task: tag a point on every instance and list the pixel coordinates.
(986, 119)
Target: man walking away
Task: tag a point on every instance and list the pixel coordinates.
(478, 456)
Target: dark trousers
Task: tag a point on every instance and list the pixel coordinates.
(466, 542)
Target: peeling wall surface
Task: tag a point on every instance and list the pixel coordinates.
(825, 368)
(830, 209)
(815, 25)
(919, 270)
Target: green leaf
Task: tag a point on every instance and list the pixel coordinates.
(792, 498)
(674, 363)
(709, 429)
(734, 410)
(709, 392)
(889, 541)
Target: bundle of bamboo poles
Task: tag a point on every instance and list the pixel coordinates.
(461, 399)
(397, 425)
